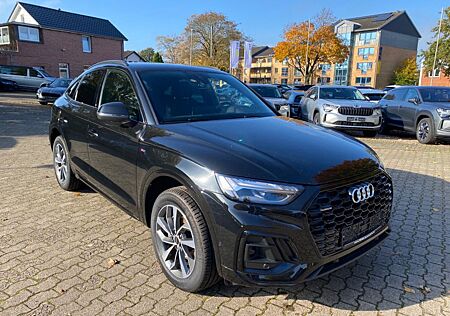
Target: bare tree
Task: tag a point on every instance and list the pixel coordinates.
(171, 48)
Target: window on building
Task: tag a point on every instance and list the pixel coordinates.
(366, 52)
(297, 73)
(364, 67)
(323, 80)
(63, 70)
(283, 81)
(276, 70)
(4, 35)
(284, 71)
(435, 73)
(363, 80)
(88, 87)
(118, 88)
(269, 60)
(285, 61)
(86, 41)
(367, 38)
(30, 34)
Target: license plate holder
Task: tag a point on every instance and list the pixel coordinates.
(356, 119)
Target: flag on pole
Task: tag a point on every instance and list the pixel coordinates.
(234, 54)
(248, 55)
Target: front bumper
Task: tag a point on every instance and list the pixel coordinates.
(275, 246)
(46, 98)
(443, 128)
(340, 121)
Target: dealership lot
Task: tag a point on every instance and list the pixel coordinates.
(76, 253)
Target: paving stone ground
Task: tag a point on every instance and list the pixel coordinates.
(55, 245)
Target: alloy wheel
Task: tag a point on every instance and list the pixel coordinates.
(424, 130)
(175, 241)
(60, 163)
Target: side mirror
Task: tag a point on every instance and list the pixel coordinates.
(313, 96)
(414, 101)
(367, 98)
(113, 112)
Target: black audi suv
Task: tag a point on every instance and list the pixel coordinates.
(228, 187)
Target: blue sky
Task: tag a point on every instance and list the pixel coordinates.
(262, 20)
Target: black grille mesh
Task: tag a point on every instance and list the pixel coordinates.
(348, 110)
(333, 210)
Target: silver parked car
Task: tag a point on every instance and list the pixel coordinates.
(374, 95)
(273, 95)
(341, 107)
(424, 111)
(29, 78)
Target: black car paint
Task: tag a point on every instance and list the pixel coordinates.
(122, 163)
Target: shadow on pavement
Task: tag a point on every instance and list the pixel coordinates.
(411, 266)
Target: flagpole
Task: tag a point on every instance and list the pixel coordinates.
(307, 49)
(437, 45)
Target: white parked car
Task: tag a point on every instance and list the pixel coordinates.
(341, 107)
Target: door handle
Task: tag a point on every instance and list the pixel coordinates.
(92, 132)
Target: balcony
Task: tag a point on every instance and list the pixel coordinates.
(261, 65)
(260, 75)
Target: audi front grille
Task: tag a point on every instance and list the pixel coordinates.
(348, 110)
(336, 222)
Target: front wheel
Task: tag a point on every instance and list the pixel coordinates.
(181, 241)
(425, 132)
(61, 163)
(316, 118)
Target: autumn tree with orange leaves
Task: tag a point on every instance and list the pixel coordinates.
(306, 45)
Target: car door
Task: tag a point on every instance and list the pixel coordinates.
(308, 104)
(82, 97)
(408, 108)
(113, 147)
(35, 78)
(390, 107)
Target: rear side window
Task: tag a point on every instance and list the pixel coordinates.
(88, 87)
(13, 70)
(118, 88)
(399, 95)
(298, 98)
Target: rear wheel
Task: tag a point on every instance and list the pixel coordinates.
(61, 163)
(425, 132)
(181, 241)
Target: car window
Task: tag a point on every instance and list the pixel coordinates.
(183, 96)
(13, 70)
(267, 91)
(374, 96)
(411, 94)
(33, 73)
(118, 88)
(298, 98)
(72, 90)
(398, 94)
(88, 87)
(441, 94)
(341, 93)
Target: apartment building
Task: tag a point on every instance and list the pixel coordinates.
(62, 43)
(378, 45)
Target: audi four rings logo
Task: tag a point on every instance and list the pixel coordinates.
(362, 193)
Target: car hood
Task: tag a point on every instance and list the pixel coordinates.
(276, 100)
(270, 148)
(59, 90)
(360, 103)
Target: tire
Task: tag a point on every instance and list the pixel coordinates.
(370, 133)
(385, 129)
(43, 103)
(316, 118)
(425, 132)
(61, 165)
(193, 242)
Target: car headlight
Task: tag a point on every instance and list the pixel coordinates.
(444, 113)
(329, 107)
(255, 191)
(377, 111)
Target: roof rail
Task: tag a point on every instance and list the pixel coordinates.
(111, 62)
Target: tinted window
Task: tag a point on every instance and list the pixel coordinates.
(398, 94)
(267, 91)
(435, 94)
(118, 88)
(181, 96)
(411, 94)
(13, 70)
(375, 96)
(298, 98)
(72, 90)
(88, 87)
(60, 83)
(341, 93)
(35, 74)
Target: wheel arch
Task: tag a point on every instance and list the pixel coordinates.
(54, 132)
(421, 116)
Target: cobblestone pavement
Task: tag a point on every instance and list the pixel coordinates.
(55, 245)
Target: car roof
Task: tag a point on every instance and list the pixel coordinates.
(334, 86)
(262, 85)
(143, 66)
(371, 91)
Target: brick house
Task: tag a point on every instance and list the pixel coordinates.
(433, 78)
(63, 43)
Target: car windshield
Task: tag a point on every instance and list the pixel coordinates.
(186, 96)
(267, 91)
(341, 93)
(44, 73)
(60, 83)
(375, 96)
(435, 94)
